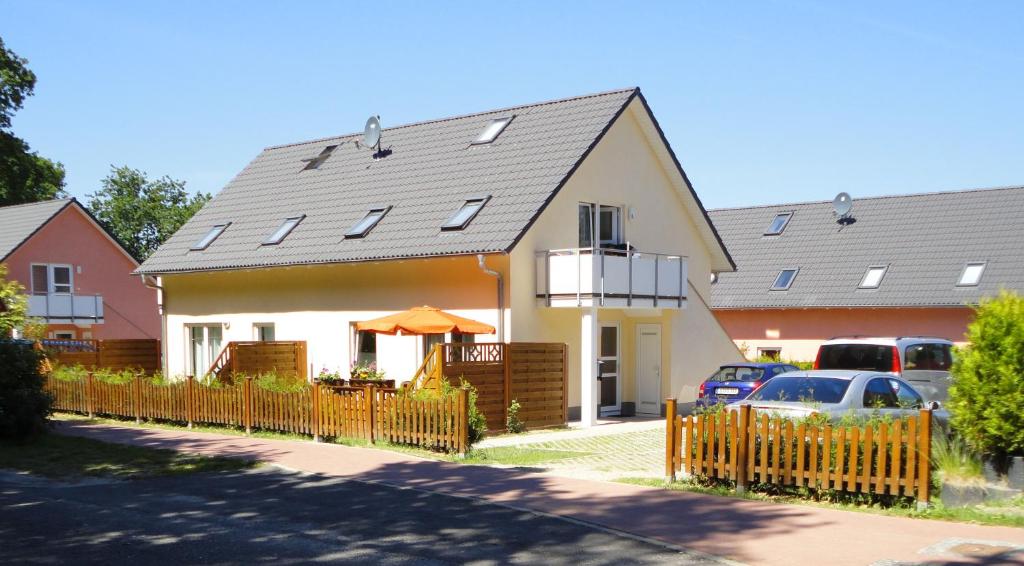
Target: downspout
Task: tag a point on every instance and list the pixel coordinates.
(151, 282)
(481, 261)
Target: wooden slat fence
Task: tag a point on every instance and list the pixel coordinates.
(369, 413)
(116, 355)
(746, 446)
(287, 358)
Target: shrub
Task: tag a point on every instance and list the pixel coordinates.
(272, 381)
(512, 422)
(987, 394)
(24, 404)
(954, 460)
(69, 373)
(476, 421)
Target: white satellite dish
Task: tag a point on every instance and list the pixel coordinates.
(371, 133)
(842, 205)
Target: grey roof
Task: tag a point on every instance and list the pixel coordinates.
(433, 168)
(20, 221)
(925, 239)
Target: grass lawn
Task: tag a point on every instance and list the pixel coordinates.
(57, 456)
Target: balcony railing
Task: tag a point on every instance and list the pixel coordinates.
(583, 277)
(65, 308)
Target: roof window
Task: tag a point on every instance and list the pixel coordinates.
(784, 280)
(316, 162)
(362, 228)
(873, 277)
(493, 130)
(464, 215)
(971, 275)
(283, 230)
(210, 236)
(778, 224)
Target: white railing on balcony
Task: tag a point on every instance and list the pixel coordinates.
(66, 308)
(583, 277)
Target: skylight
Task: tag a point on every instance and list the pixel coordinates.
(971, 275)
(282, 231)
(778, 224)
(363, 227)
(464, 215)
(493, 129)
(785, 280)
(316, 162)
(873, 277)
(210, 236)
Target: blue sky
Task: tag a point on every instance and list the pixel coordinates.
(763, 102)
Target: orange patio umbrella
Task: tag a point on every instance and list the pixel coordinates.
(424, 320)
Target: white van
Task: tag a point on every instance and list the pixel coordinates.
(923, 361)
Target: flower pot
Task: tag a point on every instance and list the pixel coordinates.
(388, 383)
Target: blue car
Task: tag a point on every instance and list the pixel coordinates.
(734, 382)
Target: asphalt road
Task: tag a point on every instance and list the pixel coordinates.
(271, 515)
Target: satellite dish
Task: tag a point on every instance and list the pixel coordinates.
(842, 205)
(371, 133)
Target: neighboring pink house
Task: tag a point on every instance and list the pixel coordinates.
(78, 277)
(903, 265)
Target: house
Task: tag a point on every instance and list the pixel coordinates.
(568, 221)
(902, 265)
(78, 277)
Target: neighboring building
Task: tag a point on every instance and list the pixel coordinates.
(899, 266)
(311, 238)
(78, 277)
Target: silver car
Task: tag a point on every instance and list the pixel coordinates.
(837, 393)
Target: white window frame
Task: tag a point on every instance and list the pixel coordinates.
(871, 269)
(619, 231)
(776, 287)
(210, 237)
(257, 330)
(479, 202)
(375, 214)
(963, 272)
(353, 344)
(761, 352)
(51, 284)
(782, 228)
(189, 362)
(287, 226)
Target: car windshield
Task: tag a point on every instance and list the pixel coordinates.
(737, 373)
(865, 357)
(803, 389)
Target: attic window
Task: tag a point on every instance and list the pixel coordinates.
(316, 162)
(493, 130)
(778, 224)
(873, 277)
(283, 230)
(210, 236)
(784, 280)
(362, 228)
(464, 215)
(971, 275)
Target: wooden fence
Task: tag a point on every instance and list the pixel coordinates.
(746, 446)
(255, 358)
(534, 374)
(368, 413)
(138, 354)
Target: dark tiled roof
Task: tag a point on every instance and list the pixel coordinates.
(20, 221)
(925, 239)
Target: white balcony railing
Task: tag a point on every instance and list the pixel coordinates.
(583, 277)
(64, 308)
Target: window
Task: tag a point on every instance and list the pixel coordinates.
(928, 357)
(608, 366)
(64, 335)
(770, 353)
(465, 215)
(316, 162)
(879, 394)
(803, 389)
(873, 277)
(778, 224)
(264, 331)
(610, 226)
(362, 228)
(737, 373)
(906, 397)
(603, 221)
(865, 357)
(51, 279)
(283, 230)
(210, 236)
(586, 225)
(364, 344)
(971, 275)
(204, 347)
(429, 340)
(785, 280)
(493, 130)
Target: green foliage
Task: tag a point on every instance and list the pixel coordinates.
(476, 421)
(954, 460)
(24, 175)
(24, 404)
(368, 372)
(142, 213)
(280, 383)
(512, 422)
(768, 360)
(987, 393)
(14, 311)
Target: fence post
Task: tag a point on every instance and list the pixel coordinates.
(507, 380)
(371, 395)
(741, 454)
(924, 455)
(315, 412)
(247, 409)
(670, 437)
(190, 400)
(463, 430)
(90, 401)
(137, 399)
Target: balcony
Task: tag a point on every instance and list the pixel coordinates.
(601, 277)
(65, 308)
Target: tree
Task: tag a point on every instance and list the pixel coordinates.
(13, 305)
(24, 175)
(140, 212)
(986, 400)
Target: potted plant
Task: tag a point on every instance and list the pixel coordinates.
(368, 374)
(330, 378)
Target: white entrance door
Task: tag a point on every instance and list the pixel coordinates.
(648, 369)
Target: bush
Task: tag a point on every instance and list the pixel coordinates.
(512, 422)
(476, 421)
(287, 383)
(954, 460)
(24, 404)
(986, 399)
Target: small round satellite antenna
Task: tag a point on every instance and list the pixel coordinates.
(842, 204)
(371, 133)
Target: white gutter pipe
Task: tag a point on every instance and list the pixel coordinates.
(481, 261)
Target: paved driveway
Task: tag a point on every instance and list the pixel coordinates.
(287, 517)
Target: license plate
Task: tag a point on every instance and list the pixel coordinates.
(727, 391)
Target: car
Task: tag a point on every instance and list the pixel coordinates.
(836, 393)
(733, 382)
(923, 361)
